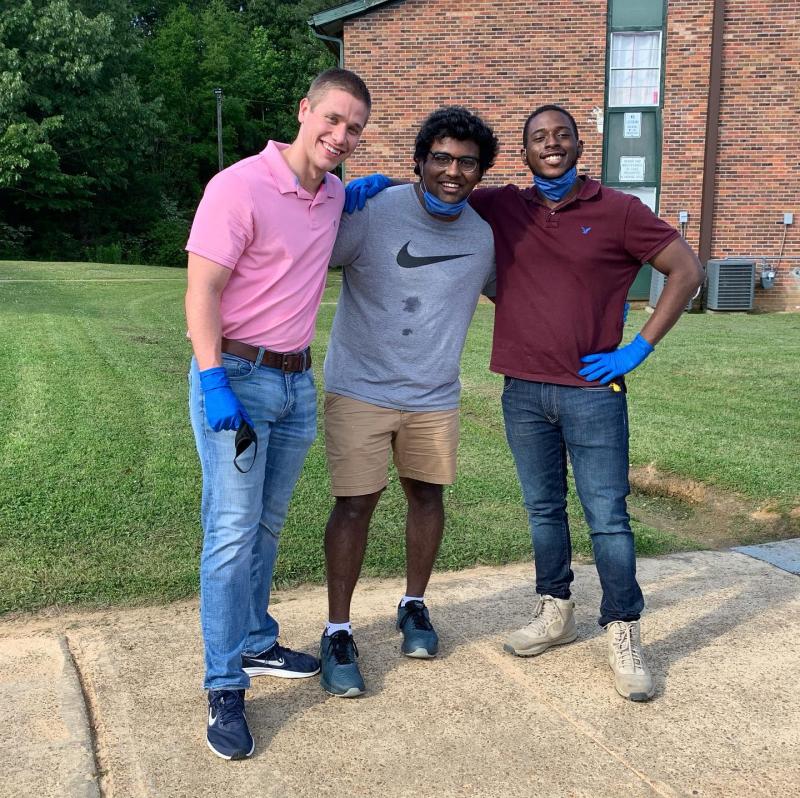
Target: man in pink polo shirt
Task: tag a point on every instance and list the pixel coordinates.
(258, 256)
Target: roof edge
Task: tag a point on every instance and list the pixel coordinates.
(331, 22)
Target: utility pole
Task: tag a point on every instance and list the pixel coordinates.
(218, 95)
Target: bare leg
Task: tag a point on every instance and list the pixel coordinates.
(424, 530)
(345, 544)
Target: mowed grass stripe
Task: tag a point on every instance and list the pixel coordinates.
(100, 484)
(95, 492)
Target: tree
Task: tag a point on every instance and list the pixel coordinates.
(75, 127)
(108, 119)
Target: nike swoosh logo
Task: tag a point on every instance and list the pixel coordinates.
(409, 261)
(212, 719)
(277, 663)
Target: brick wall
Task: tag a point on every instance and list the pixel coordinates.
(758, 166)
(686, 77)
(502, 59)
(499, 58)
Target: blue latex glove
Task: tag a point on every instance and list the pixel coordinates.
(223, 408)
(607, 365)
(358, 191)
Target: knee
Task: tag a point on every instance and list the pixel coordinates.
(424, 496)
(356, 508)
(272, 530)
(608, 521)
(550, 510)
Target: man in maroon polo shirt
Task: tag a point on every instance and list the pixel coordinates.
(568, 250)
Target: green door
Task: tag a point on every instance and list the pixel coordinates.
(632, 164)
(632, 120)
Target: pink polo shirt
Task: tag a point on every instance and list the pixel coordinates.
(257, 220)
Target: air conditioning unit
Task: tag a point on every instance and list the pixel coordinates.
(731, 284)
(657, 283)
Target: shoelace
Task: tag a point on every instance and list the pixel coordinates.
(341, 646)
(627, 651)
(417, 615)
(543, 613)
(228, 706)
(278, 651)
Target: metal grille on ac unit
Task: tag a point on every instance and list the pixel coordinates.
(731, 284)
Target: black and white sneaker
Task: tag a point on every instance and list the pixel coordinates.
(227, 734)
(280, 661)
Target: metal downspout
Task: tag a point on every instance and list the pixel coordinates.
(712, 134)
(338, 42)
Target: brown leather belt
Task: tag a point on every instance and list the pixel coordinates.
(295, 361)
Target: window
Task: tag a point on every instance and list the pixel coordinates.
(635, 71)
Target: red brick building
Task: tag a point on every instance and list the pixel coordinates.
(690, 104)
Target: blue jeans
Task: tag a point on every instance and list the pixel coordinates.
(243, 514)
(543, 423)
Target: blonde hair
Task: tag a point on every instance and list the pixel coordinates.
(342, 79)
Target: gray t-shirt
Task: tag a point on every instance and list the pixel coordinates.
(410, 285)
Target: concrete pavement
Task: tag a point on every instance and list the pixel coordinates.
(108, 703)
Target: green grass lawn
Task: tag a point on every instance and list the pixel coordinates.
(99, 480)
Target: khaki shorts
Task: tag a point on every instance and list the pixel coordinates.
(359, 436)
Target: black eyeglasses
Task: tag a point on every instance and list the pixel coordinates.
(466, 163)
(245, 435)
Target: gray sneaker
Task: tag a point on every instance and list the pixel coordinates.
(419, 637)
(632, 677)
(338, 656)
(553, 624)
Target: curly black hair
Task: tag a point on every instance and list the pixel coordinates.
(540, 110)
(456, 122)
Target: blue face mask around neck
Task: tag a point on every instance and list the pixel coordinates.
(439, 207)
(557, 188)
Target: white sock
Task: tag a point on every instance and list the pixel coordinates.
(406, 599)
(333, 628)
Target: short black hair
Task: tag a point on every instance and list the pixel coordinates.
(456, 122)
(540, 110)
(336, 78)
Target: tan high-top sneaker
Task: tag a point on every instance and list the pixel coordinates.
(632, 677)
(553, 624)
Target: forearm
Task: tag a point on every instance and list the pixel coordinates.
(671, 304)
(203, 316)
(684, 276)
(205, 327)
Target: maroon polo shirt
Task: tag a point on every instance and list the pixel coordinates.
(563, 275)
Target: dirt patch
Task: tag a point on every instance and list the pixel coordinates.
(703, 514)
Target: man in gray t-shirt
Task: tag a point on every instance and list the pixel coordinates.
(415, 262)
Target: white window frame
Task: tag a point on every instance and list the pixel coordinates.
(612, 70)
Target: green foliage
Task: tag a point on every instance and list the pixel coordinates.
(167, 236)
(108, 131)
(77, 125)
(12, 240)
